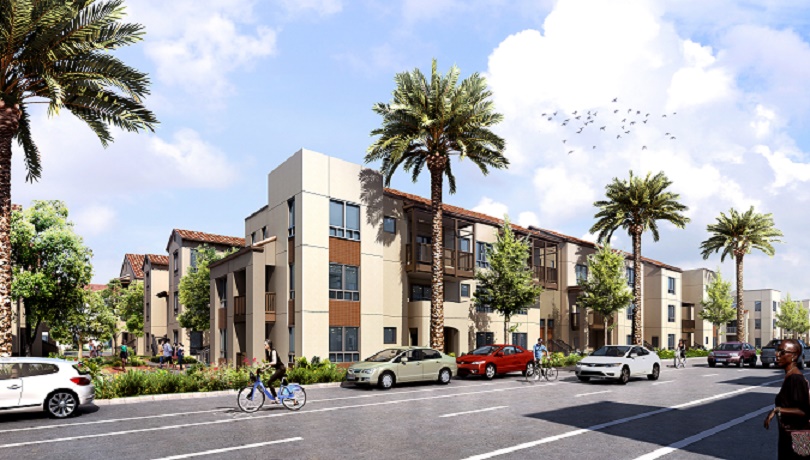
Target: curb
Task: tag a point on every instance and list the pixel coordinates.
(175, 396)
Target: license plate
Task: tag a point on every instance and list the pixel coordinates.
(351, 377)
(720, 360)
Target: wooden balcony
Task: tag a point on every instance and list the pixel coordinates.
(456, 263)
(596, 320)
(270, 307)
(239, 309)
(688, 325)
(546, 276)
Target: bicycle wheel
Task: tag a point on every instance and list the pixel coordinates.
(293, 398)
(551, 374)
(530, 370)
(250, 399)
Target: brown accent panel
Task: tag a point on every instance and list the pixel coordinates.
(221, 318)
(291, 250)
(344, 313)
(291, 312)
(344, 252)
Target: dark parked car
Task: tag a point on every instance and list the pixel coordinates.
(490, 360)
(768, 355)
(738, 353)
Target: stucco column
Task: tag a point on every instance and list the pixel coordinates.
(216, 346)
(254, 317)
(230, 329)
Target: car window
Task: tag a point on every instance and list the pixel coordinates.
(10, 371)
(730, 346)
(611, 351)
(774, 343)
(642, 351)
(508, 351)
(483, 351)
(431, 354)
(38, 369)
(384, 356)
(414, 355)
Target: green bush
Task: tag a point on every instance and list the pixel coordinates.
(690, 353)
(186, 359)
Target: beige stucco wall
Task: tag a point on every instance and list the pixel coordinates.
(695, 284)
(766, 316)
(156, 279)
(657, 299)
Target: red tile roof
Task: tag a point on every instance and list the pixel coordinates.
(95, 287)
(158, 260)
(210, 238)
(533, 230)
(136, 262)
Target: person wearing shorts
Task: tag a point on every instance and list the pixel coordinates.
(124, 355)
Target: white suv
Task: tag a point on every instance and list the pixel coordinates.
(56, 386)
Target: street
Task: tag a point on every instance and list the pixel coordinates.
(697, 412)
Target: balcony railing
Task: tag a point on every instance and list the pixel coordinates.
(546, 276)
(731, 329)
(270, 307)
(688, 325)
(456, 263)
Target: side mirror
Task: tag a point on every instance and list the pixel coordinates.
(403, 360)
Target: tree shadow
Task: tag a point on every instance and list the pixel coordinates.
(372, 197)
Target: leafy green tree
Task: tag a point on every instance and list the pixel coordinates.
(51, 266)
(718, 308)
(737, 234)
(793, 317)
(58, 52)
(94, 319)
(507, 286)
(126, 303)
(427, 123)
(195, 291)
(636, 205)
(605, 291)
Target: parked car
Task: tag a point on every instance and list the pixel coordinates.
(737, 353)
(768, 354)
(56, 386)
(403, 364)
(619, 362)
(491, 360)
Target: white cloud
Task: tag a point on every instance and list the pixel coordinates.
(561, 193)
(491, 208)
(195, 163)
(93, 219)
(319, 7)
(786, 171)
(527, 218)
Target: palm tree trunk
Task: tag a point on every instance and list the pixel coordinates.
(606, 331)
(9, 124)
(740, 306)
(437, 267)
(586, 330)
(638, 337)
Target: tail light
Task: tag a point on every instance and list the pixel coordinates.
(81, 381)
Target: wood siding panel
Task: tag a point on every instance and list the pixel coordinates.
(291, 312)
(344, 252)
(291, 250)
(344, 313)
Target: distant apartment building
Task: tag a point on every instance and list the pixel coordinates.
(762, 306)
(695, 285)
(155, 306)
(131, 271)
(337, 266)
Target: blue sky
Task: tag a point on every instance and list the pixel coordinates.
(241, 85)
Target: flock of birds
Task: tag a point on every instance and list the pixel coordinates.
(629, 120)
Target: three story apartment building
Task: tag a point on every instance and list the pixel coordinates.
(155, 306)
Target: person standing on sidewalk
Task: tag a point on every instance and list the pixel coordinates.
(680, 354)
(124, 356)
(167, 354)
(181, 353)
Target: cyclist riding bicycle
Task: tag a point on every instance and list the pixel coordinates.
(274, 362)
(539, 350)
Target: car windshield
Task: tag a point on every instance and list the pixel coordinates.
(730, 346)
(611, 351)
(484, 350)
(383, 356)
(773, 343)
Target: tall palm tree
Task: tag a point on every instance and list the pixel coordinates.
(427, 123)
(636, 205)
(737, 234)
(55, 52)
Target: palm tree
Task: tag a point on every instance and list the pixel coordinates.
(636, 205)
(737, 234)
(427, 123)
(55, 52)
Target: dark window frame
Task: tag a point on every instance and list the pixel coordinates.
(340, 355)
(343, 230)
(389, 335)
(344, 292)
(390, 224)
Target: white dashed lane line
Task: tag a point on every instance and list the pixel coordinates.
(473, 411)
(594, 393)
(229, 449)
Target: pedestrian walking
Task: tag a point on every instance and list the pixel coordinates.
(124, 355)
(680, 354)
(792, 404)
(181, 353)
(167, 354)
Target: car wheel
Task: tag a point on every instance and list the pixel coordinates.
(625, 377)
(529, 369)
(656, 371)
(444, 376)
(753, 362)
(61, 404)
(489, 373)
(766, 365)
(386, 381)
(711, 364)
(583, 379)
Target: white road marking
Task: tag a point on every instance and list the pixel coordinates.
(703, 435)
(473, 411)
(663, 382)
(230, 449)
(708, 375)
(601, 426)
(594, 393)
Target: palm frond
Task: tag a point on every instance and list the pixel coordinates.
(30, 150)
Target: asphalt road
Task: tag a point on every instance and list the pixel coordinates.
(691, 413)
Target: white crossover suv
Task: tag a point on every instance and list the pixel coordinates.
(56, 386)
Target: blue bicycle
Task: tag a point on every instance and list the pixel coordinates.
(252, 398)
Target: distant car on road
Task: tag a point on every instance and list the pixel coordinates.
(619, 362)
(56, 386)
(402, 364)
(737, 353)
(768, 354)
(491, 360)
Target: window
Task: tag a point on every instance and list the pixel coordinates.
(343, 344)
(253, 238)
(223, 344)
(291, 218)
(484, 338)
(758, 305)
(45, 336)
(196, 340)
(774, 305)
(482, 307)
(464, 245)
(758, 343)
(344, 220)
(420, 292)
(520, 339)
(671, 285)
(146, 312)
(465, 290)
(430, 354)
(176, 304)
(581, 273)
(264, 233)
(757, 324)
(655, 342)
(389, 335)
(629, 339)
(551, 324)
(343, 282)
(481, 250)
(671, 313)
(291, 331)
(522, 311)
(37, 369)
(707, 340)
(176, 260)
(670, 341)
(389, 225)
(292, 281)
(630, 309)
(630, 274)
(194, 258)
(175, 336)
(774, 324)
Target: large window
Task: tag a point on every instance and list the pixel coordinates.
(482, 307)
(176, 303)
(465, 290)
(484, 338)
(420, 292)
(292, 281)
(344, 220)
(774, 305)
(630, 311)
(389, 335)
(176, 261)
(389, 224)
(757, 324)
(194, 258)
(481, 251)
(671, 285)
(344, 282)
(671, 313)
(581, 273)
(670, 341)
(343, 344)
(291, 217)
(630, 274)
(520, 339)
(758, 305)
